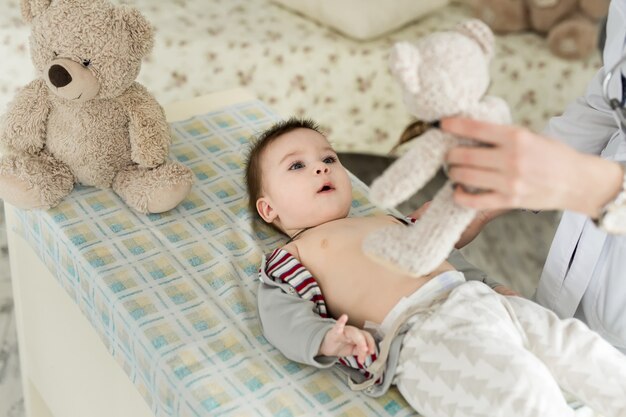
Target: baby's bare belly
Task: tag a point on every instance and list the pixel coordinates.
(353, 283)
(370, 292)
(368, 299)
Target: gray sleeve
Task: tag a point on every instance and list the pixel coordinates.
(587, 123)
(290, 324)
(471, 272)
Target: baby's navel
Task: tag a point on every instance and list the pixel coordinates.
(324, 243)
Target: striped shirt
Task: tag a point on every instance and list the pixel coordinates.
(282, 267)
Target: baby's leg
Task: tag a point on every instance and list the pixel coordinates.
(466, 358)
(581, 361)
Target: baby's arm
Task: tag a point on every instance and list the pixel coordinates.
(504, 290)
(344, 340)
(290, 324)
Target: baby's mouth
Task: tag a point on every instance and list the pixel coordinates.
(325, 188)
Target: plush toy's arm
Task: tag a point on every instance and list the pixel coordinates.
(148, 130)
(24, 124)
(409, 173)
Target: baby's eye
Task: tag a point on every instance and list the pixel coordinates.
(330, 159)
(296, 165)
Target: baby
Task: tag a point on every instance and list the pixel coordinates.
(451, 344)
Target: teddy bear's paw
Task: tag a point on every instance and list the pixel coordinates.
(34, 181)
(154, 190)
(20, 143)
(502, 16)
(381, 245)
(393, 247)
(149, 157)
(573, 39)
(595, 9)
(20, 193)
(168, 197)
(177, 180)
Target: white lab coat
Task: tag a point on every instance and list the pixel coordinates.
(585, 272)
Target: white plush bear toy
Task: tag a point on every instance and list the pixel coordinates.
(443, 74)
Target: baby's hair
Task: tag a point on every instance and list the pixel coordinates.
(260, 143)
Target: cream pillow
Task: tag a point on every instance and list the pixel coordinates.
(363, 19)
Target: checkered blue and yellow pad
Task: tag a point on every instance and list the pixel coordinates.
(173, 296)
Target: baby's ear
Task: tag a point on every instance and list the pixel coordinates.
(265, 210)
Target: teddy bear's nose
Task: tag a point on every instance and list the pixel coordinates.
(59, 77)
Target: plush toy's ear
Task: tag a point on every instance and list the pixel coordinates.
(479, 32)
(33, 8)
(404, 63)
(140, 31)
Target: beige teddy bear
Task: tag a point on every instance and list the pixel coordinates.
(443, 74)
(84, 119)
(571, 26)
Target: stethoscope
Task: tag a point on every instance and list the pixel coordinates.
(616, 104)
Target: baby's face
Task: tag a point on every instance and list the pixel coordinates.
(304, 184)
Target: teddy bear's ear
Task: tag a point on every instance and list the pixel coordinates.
(138, 28)
(33, 8)
(404, 63)
(480, 33)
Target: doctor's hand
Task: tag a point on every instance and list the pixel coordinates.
(346, 340)
(521, 169)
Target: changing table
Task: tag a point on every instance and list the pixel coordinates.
(123, 314)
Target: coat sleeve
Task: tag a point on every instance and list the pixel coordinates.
(588, 123)
(290, 324)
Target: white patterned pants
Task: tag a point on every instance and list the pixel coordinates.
(478, 353)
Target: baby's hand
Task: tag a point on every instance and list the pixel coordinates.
(344, 340)
(501, 289)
